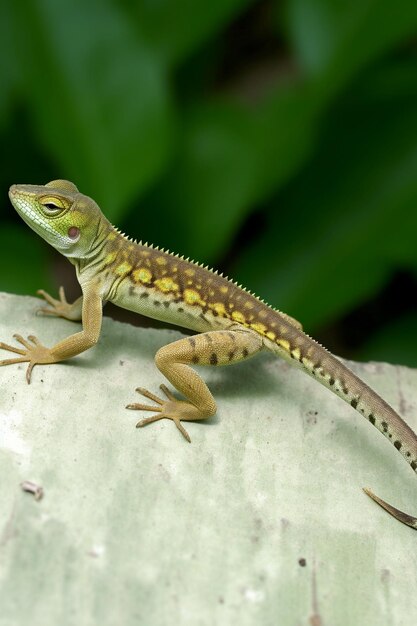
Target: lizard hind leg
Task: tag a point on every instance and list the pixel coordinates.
(222, 347)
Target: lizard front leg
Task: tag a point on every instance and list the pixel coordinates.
(34, 353)
(222, 347)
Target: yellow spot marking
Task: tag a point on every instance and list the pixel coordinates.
(142, 275)
(219, 308)
(296, 353)
(189, 282)
(260, 328)
(238, 317)
(211, 292)
(284, 344)
(248, 304)
(111, 236)
(110, 258)
(271, 335)
(192, 297)
(161, 260)
(145, 252)
(166, 284)
(224, 289)
(123, 268)
(189, 272)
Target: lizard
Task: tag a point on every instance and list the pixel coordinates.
(232, 324)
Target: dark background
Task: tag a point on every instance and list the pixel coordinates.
(275, 140)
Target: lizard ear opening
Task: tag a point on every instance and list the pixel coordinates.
(62, 185)
(74, 233)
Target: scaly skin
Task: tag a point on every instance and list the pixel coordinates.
(232, 324)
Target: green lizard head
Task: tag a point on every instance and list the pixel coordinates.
(60, 214)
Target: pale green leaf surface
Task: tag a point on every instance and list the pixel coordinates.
(140, 527)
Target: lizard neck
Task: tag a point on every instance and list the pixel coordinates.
(90, 264)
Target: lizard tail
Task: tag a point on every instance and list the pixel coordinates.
(409, 520)
(336, 376)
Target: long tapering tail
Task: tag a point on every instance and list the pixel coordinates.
(404, 518)
(327, 369)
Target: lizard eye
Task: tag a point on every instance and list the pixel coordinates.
(52, 206)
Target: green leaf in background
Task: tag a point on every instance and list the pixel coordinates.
(357, 197)
(335, 39)
(201, 125)
(8, 65)
(173, 29)
(395, 343)
(83, 62)
(23, 261)
(232, 155)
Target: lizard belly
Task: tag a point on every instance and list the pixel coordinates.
(167, 307)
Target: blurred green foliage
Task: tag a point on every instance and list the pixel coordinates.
(275, 139)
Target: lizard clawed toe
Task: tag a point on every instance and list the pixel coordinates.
(165, 409)
(57, 307)
(23, 341)
(149, 420)
(168, 393)
(148, 394)
(6, 346)
(21, 359)
(33, 352)
(11, 361)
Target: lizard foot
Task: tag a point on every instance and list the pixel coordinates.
(59, 308)
(32, 353)
(173, 409)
